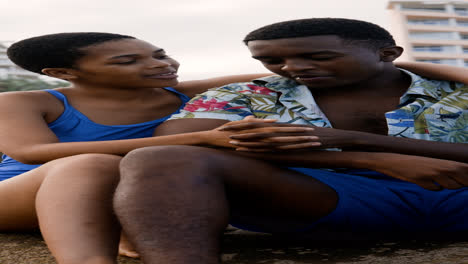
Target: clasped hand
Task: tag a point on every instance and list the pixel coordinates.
(257, 135)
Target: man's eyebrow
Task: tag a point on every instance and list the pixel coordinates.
(323, 52)
(134, 55)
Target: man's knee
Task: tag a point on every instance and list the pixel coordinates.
(163, 157)
(172, 162)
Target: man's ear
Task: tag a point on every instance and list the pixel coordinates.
(391, 53)
(60, 73)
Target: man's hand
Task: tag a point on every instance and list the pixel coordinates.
(429, 173)
(263, 137)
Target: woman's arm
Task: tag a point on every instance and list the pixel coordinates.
(193, 87)
(436, 71)
(26, 137)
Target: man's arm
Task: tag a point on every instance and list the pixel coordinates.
(429, 173)
(262, 137)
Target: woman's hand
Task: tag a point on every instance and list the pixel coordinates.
(222, 136)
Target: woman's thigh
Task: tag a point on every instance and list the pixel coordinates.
(18, 194)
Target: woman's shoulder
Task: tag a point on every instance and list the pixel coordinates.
(37, 99)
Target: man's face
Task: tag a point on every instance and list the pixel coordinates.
(318, 61)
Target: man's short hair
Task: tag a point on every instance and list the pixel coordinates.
(350, 30)
(59, 50)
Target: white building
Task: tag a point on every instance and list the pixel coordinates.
(431, 31)
(10, 70)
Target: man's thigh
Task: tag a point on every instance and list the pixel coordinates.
(265, 195)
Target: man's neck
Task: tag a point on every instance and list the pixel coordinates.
(390, 82)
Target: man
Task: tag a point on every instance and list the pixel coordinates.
(391, 142)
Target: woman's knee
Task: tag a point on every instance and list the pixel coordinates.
(84, 166)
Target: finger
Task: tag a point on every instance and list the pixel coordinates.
(250, 117)
(449, 183)
(254, 119)
(301, 145)
(461, 179)
(429, 185)
(291, 139)
(243, 125)
(247, 120)
(253, 144)
(278, 132)
(254, 150)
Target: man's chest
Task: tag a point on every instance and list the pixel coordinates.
(367, 116)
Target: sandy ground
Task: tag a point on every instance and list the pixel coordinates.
(244, 247)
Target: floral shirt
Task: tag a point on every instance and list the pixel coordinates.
(429, 110)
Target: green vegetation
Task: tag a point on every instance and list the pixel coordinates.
(15, 84)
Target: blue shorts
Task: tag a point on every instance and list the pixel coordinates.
(372, 202)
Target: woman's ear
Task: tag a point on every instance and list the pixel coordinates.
(391, 53)
(60, 73)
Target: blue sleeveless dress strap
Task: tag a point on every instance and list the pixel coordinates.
(74, 126)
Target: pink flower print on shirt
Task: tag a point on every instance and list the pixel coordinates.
(257, 90)
(209, 105)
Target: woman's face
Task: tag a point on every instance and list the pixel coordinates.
(126, 63)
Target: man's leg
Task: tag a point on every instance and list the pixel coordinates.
(175, 201)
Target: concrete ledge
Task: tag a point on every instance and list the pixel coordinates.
(245, 247)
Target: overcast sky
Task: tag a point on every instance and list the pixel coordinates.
(203, 35)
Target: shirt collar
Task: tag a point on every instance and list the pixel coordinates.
(418, 86)
(276, 83)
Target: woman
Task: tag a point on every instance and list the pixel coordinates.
(118, 95)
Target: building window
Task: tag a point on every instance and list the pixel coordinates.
(446, 61)
(423, 8)
(462, 11)
(465, 49)
(450, 49)
(464, 36)
(462, 23)
(439, 22)
(432, 35)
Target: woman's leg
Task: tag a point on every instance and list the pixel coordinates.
(74, 208)
(17, 200)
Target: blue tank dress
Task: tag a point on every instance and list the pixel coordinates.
(73, 126)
